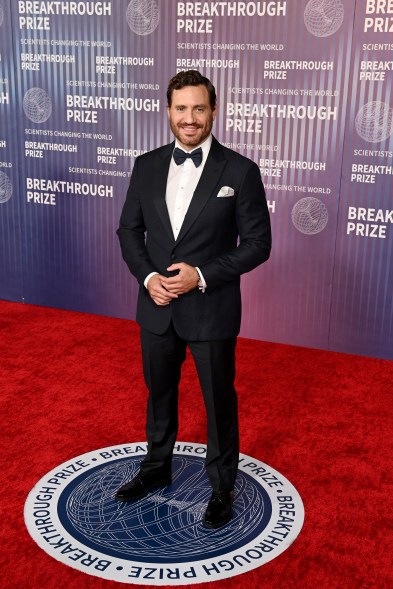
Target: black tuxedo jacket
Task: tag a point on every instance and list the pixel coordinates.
(224, 236)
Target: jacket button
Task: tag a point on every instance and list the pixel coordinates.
(173, 257)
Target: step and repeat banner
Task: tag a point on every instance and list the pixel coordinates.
(11, 269)
(304, 89)
(362, 299)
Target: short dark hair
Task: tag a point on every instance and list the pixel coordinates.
(191, 78)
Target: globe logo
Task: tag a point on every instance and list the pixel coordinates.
(5, 188)
(309, 215)
(323, 17)
(72, 514)
(1, 15)
(167, 525)
(143, 16)
(37, 105)
(374, 121)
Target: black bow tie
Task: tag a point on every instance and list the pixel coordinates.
(180, 156)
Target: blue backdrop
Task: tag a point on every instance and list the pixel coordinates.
(304, 89)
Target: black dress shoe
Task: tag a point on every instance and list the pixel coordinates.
(140, 485)
(219, 510)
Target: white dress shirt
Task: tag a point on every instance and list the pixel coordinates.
(181, 184)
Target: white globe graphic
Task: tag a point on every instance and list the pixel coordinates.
(1, 15)
(5, 188)
(165, 526)
(309, 215)
(143, 16)
(374, 121)
(323, 17)
(37, 105)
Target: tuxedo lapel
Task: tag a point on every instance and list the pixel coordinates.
(212, 171)
(159, 177)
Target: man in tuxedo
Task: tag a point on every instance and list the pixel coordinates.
(195, 219)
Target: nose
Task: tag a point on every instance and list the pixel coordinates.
(189, 117)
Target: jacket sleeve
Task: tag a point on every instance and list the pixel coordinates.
(131, 231)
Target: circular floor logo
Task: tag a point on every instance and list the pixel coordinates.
(159, 540)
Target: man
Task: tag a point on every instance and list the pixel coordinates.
(194, 220)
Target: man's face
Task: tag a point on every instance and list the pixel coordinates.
(191, 116)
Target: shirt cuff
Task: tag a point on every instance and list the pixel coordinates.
(148, 278)
(201, 282)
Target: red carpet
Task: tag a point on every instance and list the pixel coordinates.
(71, 382)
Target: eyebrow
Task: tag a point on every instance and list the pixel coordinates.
(195, 106)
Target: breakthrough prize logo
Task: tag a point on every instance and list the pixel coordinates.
(323, 17)
(37, 105)
(5, 188)
(143, 16)
(309, 215)
(374, 121)
(159, 540)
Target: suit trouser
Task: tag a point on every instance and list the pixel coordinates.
(163, 356)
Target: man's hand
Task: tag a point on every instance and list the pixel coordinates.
(158, 292)
(186, 280)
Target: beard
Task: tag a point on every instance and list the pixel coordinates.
(199, 134)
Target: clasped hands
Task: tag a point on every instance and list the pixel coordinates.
(163, 289)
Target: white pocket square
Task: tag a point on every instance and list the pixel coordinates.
(226, 191)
